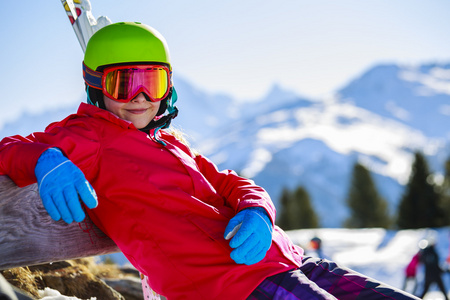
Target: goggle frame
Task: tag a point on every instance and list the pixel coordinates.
(97, 79)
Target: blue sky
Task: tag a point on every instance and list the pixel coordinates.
(238, 47)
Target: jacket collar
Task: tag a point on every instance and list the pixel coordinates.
(98, 113)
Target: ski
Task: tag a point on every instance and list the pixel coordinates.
(83, 22)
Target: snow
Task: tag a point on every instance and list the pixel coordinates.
(377, 253)
(51, 294)
(432, 82)
(346, 129)
(260, 157)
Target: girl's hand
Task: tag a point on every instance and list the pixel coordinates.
(62, 185)
(250, 232)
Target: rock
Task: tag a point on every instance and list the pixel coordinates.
(78, 281)
(129, 287)
(130, 270)
(78, 278)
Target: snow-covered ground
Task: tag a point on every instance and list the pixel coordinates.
(378, 253)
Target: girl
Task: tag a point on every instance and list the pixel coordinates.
(195, 232)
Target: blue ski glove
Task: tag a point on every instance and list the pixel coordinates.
(250, 232)
(62, 185)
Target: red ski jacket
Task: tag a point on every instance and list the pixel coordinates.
(411, 269)
(164, 207)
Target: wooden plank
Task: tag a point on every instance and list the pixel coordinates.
(28, 235)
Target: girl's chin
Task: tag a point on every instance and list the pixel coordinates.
(140, 125)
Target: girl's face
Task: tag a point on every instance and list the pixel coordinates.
(138, 111)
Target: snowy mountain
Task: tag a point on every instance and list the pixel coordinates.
(416, 96)
(28, 122)
(316, 145)
(286, 140)
(200, 113)
(379, 119)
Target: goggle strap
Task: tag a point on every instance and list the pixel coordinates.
(92, 78)
(171, 108)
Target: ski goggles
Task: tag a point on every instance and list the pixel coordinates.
(123, 83)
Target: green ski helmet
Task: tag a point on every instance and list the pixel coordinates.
(126, 42)
(121, 43)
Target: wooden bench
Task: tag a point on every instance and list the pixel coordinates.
(28, 236)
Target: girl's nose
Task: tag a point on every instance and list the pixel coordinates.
(139, 98)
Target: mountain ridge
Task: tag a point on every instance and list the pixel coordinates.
(358, 123)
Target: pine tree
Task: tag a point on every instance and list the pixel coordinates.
(445, 193)
(296, 210)
(307, 217)
(420, 204)
(367, 207)
(283, 216)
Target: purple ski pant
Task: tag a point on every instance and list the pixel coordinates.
(323, 279)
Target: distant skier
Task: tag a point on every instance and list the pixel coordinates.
(433, 272)
(446, 266)
(195, 232)
(315, 248)
(411, 272)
